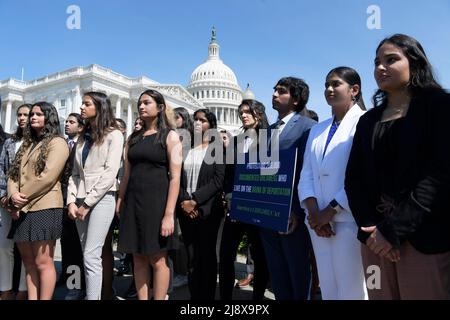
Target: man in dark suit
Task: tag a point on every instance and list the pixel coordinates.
(71, 254)
(288, 253)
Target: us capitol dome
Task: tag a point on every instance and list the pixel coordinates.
(215, 85)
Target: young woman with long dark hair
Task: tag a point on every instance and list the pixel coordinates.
(200, 208)
(35, 198)
(149, 191)
(7, 252)
(92, 186)
(398, 176)
(253, 116)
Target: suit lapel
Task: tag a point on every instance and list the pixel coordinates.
(344, 129)
(203, 168)
(321, 141)
(288, 126)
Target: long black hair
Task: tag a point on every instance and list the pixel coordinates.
(163, 124)
(18, 135)
(298, 89)
(421, 71)
(3, 136)
(352, 77)
(188, 123)
(104, 122)
(211, 117)
(49, 132)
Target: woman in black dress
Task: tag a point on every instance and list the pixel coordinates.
(149, 190)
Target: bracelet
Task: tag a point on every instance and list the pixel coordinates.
(417, 202)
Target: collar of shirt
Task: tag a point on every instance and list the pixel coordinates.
(286, 120)
(247, 143)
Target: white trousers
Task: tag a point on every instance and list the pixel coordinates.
(7, 256)
(93, 231)
(339, 263)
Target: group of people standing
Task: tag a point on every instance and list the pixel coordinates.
(370, 190)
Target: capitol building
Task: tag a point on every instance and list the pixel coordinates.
(212, 85)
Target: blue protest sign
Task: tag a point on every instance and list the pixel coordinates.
(263, 195)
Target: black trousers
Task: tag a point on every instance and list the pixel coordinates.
(232, 234)
(71, 253)
(200, 238)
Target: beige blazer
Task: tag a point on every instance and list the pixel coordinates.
(100, 170)
(43, 191)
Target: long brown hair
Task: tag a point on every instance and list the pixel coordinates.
(104, 122)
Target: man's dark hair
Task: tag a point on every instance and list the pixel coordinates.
(298, 90)
(78, 117)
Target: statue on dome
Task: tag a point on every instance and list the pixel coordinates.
(213, 32)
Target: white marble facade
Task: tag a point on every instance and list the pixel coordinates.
(64, 90)
(212, 85)
(215, 85)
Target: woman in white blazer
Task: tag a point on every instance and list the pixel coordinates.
(92, 186)
(321, 190)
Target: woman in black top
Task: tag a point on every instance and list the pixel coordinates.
(397, 179)
(200, 207)
(253, 117)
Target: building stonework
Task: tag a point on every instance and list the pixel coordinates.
(215, 85)
(212, 85)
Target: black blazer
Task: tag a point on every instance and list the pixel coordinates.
(422, 176)
(208, 194)
(231, 167)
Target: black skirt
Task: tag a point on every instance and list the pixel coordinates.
(39, 225)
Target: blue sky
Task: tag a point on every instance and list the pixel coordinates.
(261, 40)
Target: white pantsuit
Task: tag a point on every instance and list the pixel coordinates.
(338, 258)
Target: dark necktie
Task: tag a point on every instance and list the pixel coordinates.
(87, 146)
(70, 142)
(278, 124)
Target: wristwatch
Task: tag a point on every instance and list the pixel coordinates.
(335, 205)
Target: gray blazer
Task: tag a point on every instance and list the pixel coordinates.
(98, 176)
(7, 156)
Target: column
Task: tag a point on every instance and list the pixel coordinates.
(119, 108)
(129, 118)
(8, 116)
(77, 100)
